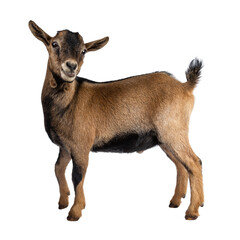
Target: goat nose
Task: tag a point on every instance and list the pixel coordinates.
(71, 65)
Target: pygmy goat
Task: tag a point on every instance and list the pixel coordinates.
(124, 116)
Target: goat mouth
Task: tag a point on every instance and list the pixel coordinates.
(67, 75)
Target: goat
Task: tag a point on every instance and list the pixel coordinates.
(124, 116)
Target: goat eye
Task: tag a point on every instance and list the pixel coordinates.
(55, 44)
(84, 51)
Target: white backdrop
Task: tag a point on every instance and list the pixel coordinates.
(127, 195)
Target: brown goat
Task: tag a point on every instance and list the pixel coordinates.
(127, 115)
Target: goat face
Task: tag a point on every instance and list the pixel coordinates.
(66, 51)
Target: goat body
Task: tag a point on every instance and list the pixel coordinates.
(117, 116)
(127, 115)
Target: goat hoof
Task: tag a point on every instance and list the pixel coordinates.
(191, 217)
(172, 205)
(72, 219)
(63, 202)
(62, 206)
(74, 214)
(202, 205)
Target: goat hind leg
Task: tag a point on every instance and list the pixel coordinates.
(192, 164)
(60, 168)
(185, 155)
(182, 180)
(196, 184)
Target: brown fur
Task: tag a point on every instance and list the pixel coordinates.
(83, 114)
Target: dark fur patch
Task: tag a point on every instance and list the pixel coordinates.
(72, 39)
(128, 143)
(76, 175)
(47, 103)
(49, 115)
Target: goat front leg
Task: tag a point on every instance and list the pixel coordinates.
(60, 168)
(80, 164)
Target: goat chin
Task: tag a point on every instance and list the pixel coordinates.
(67, 78)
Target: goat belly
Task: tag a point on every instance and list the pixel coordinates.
(128, 143)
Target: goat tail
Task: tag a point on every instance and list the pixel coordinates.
(193, 73)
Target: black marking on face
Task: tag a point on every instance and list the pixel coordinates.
(72, 40)
(57, 50)
(72, 46)
(129, 142)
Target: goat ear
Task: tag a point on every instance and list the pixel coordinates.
(98, 44)
(39, 33)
